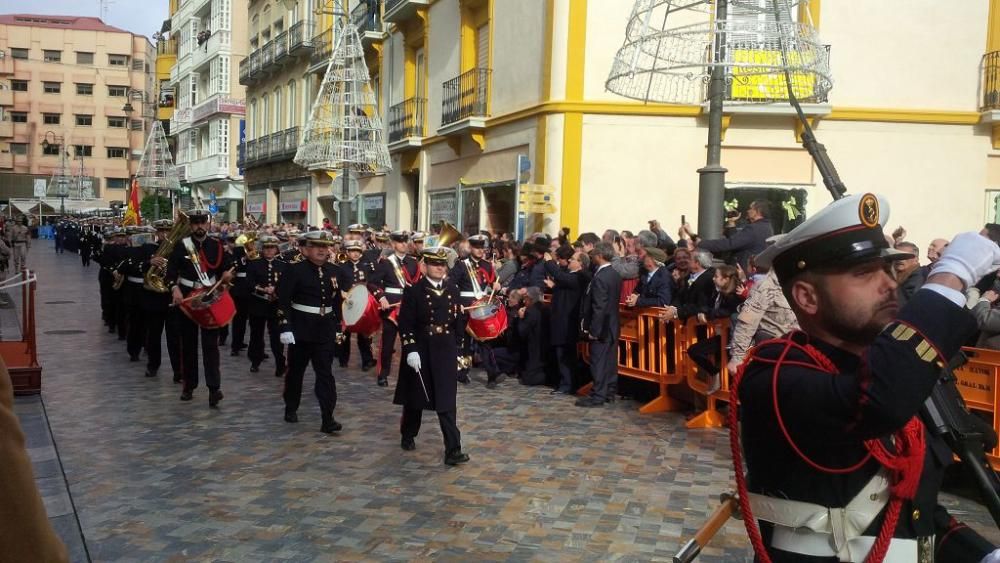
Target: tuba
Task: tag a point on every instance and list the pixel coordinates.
(153, 280)
(249, 242)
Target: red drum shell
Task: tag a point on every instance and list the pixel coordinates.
(209, 315)
(394, 315)
(361, 312)
(487, 326)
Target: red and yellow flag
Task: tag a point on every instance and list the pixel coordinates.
(132, 214)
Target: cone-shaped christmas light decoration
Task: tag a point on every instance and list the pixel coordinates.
(345, 130)
(156, 167)
(670, 51)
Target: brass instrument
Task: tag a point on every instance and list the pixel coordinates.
(249, 242)
(153, 279)
(117, 278)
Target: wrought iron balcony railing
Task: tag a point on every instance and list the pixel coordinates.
(406, 119)
(300, 36)
(991, 81)
(367, 18)
(322, 47)
(275, 147)
(466, 96)
(281, 46)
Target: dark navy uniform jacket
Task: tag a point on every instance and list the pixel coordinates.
(829, 416)
(263, 273)
(307, 284)
(214, 260)
(386, 281)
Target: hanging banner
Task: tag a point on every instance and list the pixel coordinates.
(39, 187)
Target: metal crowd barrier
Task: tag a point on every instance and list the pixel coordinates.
(18, 343)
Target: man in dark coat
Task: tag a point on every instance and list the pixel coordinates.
(655, 283)
(392, 275)
(601, 326)
(475, 278)
(747, 241)
(156, 311)
(831, 417)
(263, 275)
(360, 271)
(309, 299)
(431, 331)
(696, 293)
(567, 283)
(532, 337)
(909, 275)
(241, 297)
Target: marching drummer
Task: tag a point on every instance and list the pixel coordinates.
(309, 300)
(392, 275)
(431, 332)
(360, 272)
(476, 279)
(213, 263)
(263, 275)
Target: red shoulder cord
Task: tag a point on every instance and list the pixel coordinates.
(204, 260)
(904, 466)
(487, 276)
(410, 280)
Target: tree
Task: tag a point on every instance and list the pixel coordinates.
(147, 207)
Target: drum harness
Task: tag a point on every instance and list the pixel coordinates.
(196, 256)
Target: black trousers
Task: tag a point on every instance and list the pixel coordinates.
(566, 360)
(320, 355)
(85, 258)
(256, 349)
(239, 323)
(136, 337)
(156, 322)
(604, 368)
(409, 427)
(121, 313)
(364, 348)
(190, 332)
(706, 353)
(389, 333)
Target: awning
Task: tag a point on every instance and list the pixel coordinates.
(51, 206)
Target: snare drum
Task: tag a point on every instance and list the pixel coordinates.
(361, 311)
(215, 310)
(487, 319)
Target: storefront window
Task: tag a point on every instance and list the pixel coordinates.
(293, 205)
(443, 207)
(470, 210)
(373, 209)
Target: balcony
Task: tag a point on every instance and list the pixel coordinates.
(300, 37)
(991, 82)
(406, 124)
(276, 147)
(369, 23)
(6, 129)
(281, 46)
(266, 55)
(401, 10)
(180, 121)
(219, 41)
(217, 104)
(6, 65)
(166, 47)
(213, 167)
(465, 101)
(6, 97)
(322, 50)
(6, 161)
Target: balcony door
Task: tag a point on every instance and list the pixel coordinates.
(420, 76)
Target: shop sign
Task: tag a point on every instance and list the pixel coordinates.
(300, 206)
(373, 202)
(258, 207)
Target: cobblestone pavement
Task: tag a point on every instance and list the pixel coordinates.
(155, 479)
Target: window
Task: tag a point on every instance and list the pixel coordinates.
(19, 53)
(83, 58)
(137, 64)
(293, 119)
(19, 116)
(83, 150)
(136, 124)
(118, 91)
(52, 56)
(19, 85)
(118, 60)
(51, 118)
(51, 149)
(19, 148)
(116, 122)
(84, 89)
(84, 120)
(117, 152)
(52, 87)
(116, 183)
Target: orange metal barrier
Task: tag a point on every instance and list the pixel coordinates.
(977, 382)
(710, 417)
(21, 355)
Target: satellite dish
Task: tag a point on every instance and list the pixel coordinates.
(338, 186)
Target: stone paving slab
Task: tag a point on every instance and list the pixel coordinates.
(155, 479)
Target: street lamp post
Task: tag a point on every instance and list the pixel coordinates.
(133, 94)
(62, 183)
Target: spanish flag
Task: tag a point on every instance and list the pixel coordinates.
(132, 215)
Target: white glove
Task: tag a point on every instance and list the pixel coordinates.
(992, 557)
(969, 256)
(287, 338)
(413, 360)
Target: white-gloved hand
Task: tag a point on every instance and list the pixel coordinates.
(992, 557)
(969, 256)
(287, 338)
(413, 360)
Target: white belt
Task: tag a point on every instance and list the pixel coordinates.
(812, 529)
(188, 283)
(241, 274)
(134, 279)
(394, 290)
(313, 310)
(468, 294)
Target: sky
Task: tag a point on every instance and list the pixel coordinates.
(142, 17)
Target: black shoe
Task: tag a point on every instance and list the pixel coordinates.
(267, 356)
(610, 399)
(456, 457)
(291, 417)
(464, 379)
(222, 342)
(111, 330)
(214, 396)
(383, 382)
(408, 444)
(150, 372)
(491, 384)
(242, 346)
(133, 357)
(589, 402)
(365, 366)
(187, 395)
(234, 352)
(331, 426)
(177, 378)
(279, 373)
(343, 364)
(254, 368)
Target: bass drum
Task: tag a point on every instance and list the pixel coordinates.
(487, 320)
(361, 312)
(214, 310)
